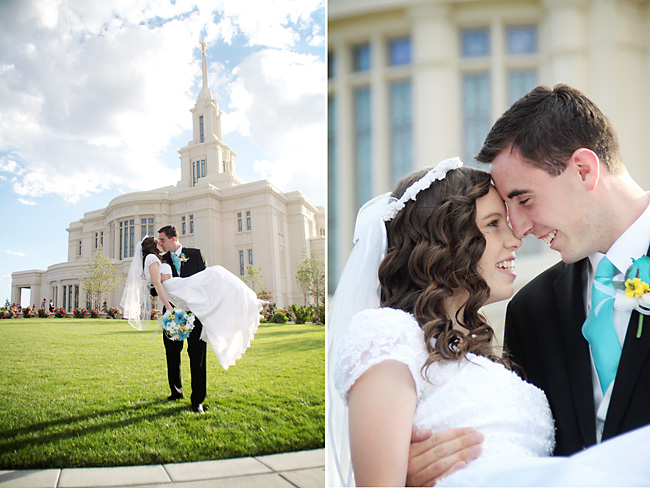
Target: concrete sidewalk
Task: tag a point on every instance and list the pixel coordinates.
(304, 469)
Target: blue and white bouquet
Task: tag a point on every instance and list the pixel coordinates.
(177, 324)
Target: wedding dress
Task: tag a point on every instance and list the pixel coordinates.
(227, 308)
(513, 415)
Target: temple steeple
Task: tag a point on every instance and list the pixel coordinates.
(206, 156)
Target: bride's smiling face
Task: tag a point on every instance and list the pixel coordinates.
(497, 263)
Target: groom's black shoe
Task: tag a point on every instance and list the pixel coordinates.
(198, 409)
(172, 398)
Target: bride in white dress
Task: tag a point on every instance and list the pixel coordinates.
(417, 351)
(227, 308)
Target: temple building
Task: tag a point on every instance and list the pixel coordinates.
(235, 224)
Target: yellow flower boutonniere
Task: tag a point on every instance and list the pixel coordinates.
(637, 290)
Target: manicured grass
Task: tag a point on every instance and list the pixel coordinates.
(89, 392)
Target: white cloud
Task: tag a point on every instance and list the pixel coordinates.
(279, 103)
(15, 253)
(93, 92)
(27, 202)
(5, 277)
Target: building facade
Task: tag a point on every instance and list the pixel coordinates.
(414, 82)
(235, 224)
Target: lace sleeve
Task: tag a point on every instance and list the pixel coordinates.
(374, 336)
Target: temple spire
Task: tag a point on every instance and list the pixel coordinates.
(205, 66)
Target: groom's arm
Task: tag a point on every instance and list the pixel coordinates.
(435, 455)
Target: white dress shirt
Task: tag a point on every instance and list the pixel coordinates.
(633, 243)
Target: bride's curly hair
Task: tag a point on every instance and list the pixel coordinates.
(150, 246)
(434, 247)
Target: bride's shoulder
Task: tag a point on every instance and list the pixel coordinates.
(385, 322)
(151, 258)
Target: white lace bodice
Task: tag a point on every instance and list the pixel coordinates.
(514, 416)
(164, 267)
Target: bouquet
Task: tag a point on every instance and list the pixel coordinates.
(177, 324)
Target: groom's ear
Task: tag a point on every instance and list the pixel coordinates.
(587, 167)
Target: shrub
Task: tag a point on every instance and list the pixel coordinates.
(302, 313)
(42, 313)
(79, 313)
(28, 312)
(113, 313)
(94, 314)
(59, 313)
(279, 318)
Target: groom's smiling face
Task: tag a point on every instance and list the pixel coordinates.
(553, 208)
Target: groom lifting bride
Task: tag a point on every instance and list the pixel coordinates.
(184, 262)
(225, 310)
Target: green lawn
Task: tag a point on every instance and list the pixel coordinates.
(89, 392)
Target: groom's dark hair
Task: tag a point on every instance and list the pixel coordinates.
(170, 231)
(546, 126)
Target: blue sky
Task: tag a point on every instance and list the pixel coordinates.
(95, 98)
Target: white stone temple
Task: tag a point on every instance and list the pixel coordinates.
(235, 224)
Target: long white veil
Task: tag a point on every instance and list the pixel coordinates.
(136, 299)
(358, 289)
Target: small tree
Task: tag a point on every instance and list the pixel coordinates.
(310, 275)
(100, 278)
(254, 279)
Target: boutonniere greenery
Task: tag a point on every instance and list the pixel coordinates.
(634, 292)
(183, 258)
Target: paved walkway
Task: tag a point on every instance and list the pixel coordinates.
(304, 469)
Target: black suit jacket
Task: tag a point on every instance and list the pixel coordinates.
(543, 335)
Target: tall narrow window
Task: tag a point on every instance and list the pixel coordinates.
(79, 248)
(96, 240)
(203, 168)
(76, 296)
(475, 43)
(191, 224)
(250, 257)
(521, 39)
(239, 222)
(399, 51)
(150, 226)
(69, 298)
(201, 128)
(476, 113)
(183, 225)
(241, 263)
(401, 132)
(361, 57)
(131, 237)
(194, 173)
(101, 238)
(65, 301)
(363, 144)
(127, 238)
(143, 228)
(248, 220)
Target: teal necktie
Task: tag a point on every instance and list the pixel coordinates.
(177, 263)
(598, 329)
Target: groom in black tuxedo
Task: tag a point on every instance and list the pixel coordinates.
(555, 160)
(184, 262)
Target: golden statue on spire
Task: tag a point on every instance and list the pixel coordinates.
(202, 46)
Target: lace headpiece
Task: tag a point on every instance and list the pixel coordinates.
(358, 290)
(437, 173)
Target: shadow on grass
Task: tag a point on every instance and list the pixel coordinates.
(74, 425)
